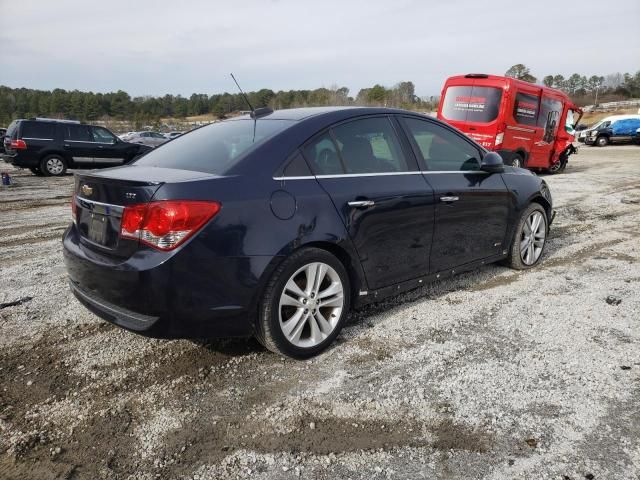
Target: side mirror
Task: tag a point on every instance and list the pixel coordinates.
(492, 163)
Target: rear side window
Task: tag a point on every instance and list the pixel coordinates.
(77, 133)
(525, 109)
(215, 148)
(441, 149)
(296, 167)
(40, 130)
(323, 155)
(471, 103)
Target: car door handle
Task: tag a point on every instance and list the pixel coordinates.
(362, 203)
(449, 199)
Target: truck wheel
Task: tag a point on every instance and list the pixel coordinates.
(602, 141)
(304, 305)
(517, 161)
(53, 165)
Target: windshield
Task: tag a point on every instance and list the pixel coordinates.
(215, 148)
(471, 104)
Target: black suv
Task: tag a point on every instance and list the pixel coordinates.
(49, 147)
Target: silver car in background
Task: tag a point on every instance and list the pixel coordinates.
(152, 139)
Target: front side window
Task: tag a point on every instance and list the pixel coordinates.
(471, 103)
(77, 133)
(102, 135)
(525, 109)
(549, 117)
(370, 145)
(441, 149)
(41, 130)
(215, 148)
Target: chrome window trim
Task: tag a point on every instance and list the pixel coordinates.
(35, 138)
(352, 175)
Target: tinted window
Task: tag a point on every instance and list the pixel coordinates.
(77, 133)
(471, 104)
(441, 149)
(38, 130)
(102, 135)
(549, 117)
(297, 167)
(525, 109)
(214, 148)
(323, 156)
(370, 146)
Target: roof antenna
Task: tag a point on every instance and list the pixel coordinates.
(255, 112)
(245, 97)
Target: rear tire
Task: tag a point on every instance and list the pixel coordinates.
(529, 239)
(53, 166)
(305, 304)
(602, 141)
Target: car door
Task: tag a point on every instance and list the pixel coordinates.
(380, 195)
(77, 142)
(472, 206)
(109, 150)
(547, 128)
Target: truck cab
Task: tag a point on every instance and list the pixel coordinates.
(528, 125)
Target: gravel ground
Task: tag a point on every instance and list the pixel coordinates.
(494, 374)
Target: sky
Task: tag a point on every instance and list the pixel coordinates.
(158, 47)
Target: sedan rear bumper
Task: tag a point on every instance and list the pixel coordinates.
(183, 294)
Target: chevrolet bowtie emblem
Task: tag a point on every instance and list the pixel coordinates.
(86, 190)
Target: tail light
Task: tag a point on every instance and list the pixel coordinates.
(18, 144)
(74, 208)
(164, 225)
(500, 135)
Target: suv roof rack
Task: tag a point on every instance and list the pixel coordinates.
(476, 75)
(42, 119)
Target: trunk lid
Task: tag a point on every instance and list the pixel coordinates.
(100, 198)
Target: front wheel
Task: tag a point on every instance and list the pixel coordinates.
(517, 161)
(53, 165)
(305, 304)
(530, 238)
(602, 141)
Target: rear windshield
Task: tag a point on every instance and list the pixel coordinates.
(471, 104)
(215, 148)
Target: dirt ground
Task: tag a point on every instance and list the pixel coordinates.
(494, 374)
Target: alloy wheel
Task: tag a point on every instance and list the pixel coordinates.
(311, 304)
(532, 239)
(54, 166)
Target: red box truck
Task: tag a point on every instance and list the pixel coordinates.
(529, 125)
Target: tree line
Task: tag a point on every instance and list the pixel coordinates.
(583, 89)
(88, 106)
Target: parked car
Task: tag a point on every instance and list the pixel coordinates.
(529, 125)
(3, 131)
(172, 135)
(614, 129)
(126, 136)
(49, 147)
(152, 139)
(276, 227)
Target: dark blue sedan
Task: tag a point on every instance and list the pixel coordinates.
(276, 224)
